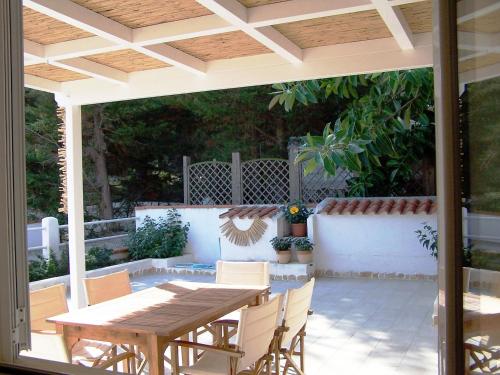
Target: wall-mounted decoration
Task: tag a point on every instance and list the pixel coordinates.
(244, 237)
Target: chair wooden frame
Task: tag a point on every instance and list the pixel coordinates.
(288, 353)
(51, 301)
(99, 289)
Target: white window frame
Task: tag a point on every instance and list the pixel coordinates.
(14, 304)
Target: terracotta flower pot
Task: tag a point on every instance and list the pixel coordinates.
(305, 257)
(299, 230)
(284, 256)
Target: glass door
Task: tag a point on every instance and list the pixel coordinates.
(478, 36)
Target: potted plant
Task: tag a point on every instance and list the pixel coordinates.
(296, 214)
(282, 247)
(304, 249)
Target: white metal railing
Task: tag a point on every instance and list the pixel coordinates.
(51, 237)
(35, 228)
(34, 248)
(97, 222)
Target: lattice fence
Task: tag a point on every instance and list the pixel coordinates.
(265, 181)
(259, 181)
(210, 183)
(316, 186)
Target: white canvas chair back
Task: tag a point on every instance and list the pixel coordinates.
(297, 305)
(46, 303)
(256, 331)
(105, 288)
(242, 273)
(48, 346)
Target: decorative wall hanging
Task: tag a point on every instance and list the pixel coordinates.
(61, 155)
(244, 237)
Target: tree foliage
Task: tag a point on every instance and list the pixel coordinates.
(383, 135)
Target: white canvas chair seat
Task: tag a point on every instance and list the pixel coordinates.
(236, 273)
(51, 346)
(254, 339)
(209, 364)
(46, 344)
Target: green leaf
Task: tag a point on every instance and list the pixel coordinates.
(310, 167)
(273, 102)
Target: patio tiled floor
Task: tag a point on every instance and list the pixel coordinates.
(360, 326)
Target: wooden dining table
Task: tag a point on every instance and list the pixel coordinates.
(481, 314)
(153, 317)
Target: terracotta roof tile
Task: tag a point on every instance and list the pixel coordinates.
(250, 212)
(380, 206)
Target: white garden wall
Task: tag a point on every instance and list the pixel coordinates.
(203, 237)
(359, 243)
(371, 243)
(262, 249)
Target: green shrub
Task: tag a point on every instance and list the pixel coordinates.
(281, 243)
(40, 269)
(162, 238)
(303, 244)
(98, 257)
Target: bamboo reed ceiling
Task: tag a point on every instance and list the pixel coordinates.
(42, 29)
(134, 14)
(53, 73)
(418, 16)
(127, 61)
(486, 24)
(479, 62)
(221, 46)
(343, 28)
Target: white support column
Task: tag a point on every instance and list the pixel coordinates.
(73, 121)
(50, 237)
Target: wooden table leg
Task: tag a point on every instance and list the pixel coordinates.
(155, 355)
(185, 351)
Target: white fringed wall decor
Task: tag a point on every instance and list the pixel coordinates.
(244, 237)
(61, 155)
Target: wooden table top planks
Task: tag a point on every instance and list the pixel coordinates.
(156, 315)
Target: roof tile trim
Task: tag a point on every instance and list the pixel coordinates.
(250, 212)
(379, 206)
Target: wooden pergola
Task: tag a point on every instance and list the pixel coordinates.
(94, 51)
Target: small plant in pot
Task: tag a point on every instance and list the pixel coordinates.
(282, 247)
(304, 249)
(296, 214)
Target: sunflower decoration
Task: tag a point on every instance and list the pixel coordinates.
(296, 212)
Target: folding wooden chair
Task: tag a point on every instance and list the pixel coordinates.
(47, 344)
(234, 273)
(292, 331)
(250, 354)
(104, 288)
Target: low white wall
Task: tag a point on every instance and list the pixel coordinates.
(259, 251)
(203, 237)
(371, 243)
(133, 267)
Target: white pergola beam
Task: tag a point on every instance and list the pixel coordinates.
(480, 74)
(480, 42)
(473, 9)
(299, 10)
(260, 16)
(329, 61)
(182, 29)
(80, 48)
(396, 23)
(235, 13)
(33, 50)
(85, 19)
(92, 69)
(41, 84)
(82, 18)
